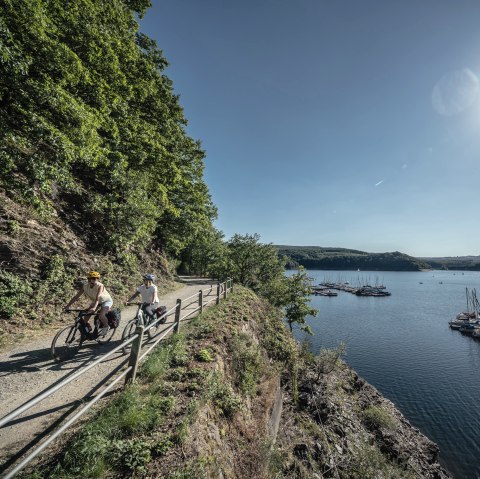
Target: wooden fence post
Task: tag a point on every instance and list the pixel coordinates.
(225, 290)
(200, 301)
(218, 293)
(134, 355)
(177, 316)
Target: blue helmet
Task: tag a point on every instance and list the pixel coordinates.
(149, 277)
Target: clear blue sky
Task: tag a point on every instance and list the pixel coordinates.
(334, 123)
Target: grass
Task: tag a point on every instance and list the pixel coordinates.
(378, 418)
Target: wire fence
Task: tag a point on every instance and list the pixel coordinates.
(135, 357)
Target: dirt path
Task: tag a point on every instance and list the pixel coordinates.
(28, 370)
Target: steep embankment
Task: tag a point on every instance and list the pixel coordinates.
(233, 396)
(39, 261)
(317, 257)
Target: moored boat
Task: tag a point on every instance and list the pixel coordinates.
(470, 328)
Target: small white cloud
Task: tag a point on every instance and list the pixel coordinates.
(379, 183)
(404, 166)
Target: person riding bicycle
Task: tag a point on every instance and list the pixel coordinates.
(149, 294)
(99, 296)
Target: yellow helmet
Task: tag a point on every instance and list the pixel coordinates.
(93, 274)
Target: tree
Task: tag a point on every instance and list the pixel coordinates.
(205, 253)
(90, 126)
(297, 297)
(254, 264)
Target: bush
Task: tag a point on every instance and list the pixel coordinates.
(328, 359)
(375, 417)
(246, 361)
(15, 293)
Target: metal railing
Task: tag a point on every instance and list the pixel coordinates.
(136, 356)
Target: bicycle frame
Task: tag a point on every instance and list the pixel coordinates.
(81, 324)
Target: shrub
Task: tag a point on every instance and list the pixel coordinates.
(15, 292)
(375, 417)
(328, 359)
(246, 363)
(204, 356)
(132, 454)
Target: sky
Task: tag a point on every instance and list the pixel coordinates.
(342, 123)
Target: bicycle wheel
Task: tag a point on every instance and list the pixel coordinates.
(128, 332)
(66, 343)
(103, 339)
(154, 330)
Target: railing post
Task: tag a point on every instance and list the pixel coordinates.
(134, 355)
(200, 301)
(225, 290)
(218, 293)
(177, 316)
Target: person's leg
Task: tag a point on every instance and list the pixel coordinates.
(102, 315)
(151, 308)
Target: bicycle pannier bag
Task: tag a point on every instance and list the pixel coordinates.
(161, 310)
(113, 317)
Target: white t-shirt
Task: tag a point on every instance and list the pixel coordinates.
(147, 293)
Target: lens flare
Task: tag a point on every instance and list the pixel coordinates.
(455, 92)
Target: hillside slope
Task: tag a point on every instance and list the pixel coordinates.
(234, 397)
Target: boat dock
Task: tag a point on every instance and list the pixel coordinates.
(324, 289)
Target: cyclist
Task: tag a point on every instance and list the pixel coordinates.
(99, 296)
(149, 294)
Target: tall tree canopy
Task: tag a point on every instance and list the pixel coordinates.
(90, 123)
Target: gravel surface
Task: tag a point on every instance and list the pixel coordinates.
(27, 370)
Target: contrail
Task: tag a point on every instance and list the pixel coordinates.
(379, 183)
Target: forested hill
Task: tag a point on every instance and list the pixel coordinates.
(317, 257)
(471, 263)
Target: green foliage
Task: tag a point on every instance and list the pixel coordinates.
(253, 264)
(15, 293)
(206, 254)
(89, 122)
(369, 463)
(297, 297)
(328, 359)
(132, 454)
(224, 397)
(12, 227)
(316, 257)
(55, 280)
(204, 356)
(246, 363)
(376, 417)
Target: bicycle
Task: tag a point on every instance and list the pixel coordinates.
(70, 339)
(141, 318)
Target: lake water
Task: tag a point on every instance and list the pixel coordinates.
(402, 345)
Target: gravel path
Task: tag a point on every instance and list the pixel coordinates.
(28, 370)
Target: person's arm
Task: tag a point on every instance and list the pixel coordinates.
(152, 298)
(74, 299)
(133, 296)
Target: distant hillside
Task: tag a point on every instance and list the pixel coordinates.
(317, 257)
(471, 263)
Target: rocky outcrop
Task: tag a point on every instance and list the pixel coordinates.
(343, 427)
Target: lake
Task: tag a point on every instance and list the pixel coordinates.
(402, 345)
